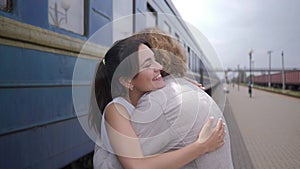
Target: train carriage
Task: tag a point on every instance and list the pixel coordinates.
(40, 44)
(291, 79)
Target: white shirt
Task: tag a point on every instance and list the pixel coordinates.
(104, 136)
(104, 157)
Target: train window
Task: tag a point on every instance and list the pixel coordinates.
(191, 63)
(197, 65)
(166, 27)
(190, 58)
(194, 62)
(188, 51)
(177, 37)
(66, 15)
(122, 8)
(6, 5)
(151, 17)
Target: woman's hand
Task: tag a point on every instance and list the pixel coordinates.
(212, 138)
(195, 83)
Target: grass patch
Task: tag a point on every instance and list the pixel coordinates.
(279, 91)
(275, 90)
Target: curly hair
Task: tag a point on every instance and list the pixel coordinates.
(168, 51)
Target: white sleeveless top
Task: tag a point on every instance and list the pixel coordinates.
(104, 157)
(104, 137)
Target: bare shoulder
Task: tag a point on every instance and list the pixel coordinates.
(116, 109)
(118, 119)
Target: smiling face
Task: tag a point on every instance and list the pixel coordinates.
(149, 77)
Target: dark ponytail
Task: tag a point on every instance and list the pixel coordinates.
(96, 107)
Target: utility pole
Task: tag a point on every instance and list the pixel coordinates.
(252, 64)
(250, 60)
(238, 68)
(270, 53)
(283, 74)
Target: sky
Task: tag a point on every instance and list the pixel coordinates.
(234, 27)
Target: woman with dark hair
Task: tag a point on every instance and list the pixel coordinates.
(127, 72)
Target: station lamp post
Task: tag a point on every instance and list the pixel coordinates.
(239, 75)
(250, 66)
(283, 74)
(269, 80)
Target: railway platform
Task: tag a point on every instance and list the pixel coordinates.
(264, 129)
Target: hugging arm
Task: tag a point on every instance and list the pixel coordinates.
(128, 150)
(195, 83)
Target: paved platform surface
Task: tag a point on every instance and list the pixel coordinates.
(240, 155)
(264, 129)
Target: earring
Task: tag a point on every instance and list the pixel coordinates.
(131, 87)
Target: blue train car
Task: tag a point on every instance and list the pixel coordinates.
(41, 42)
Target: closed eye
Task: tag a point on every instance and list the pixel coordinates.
(147, 63)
